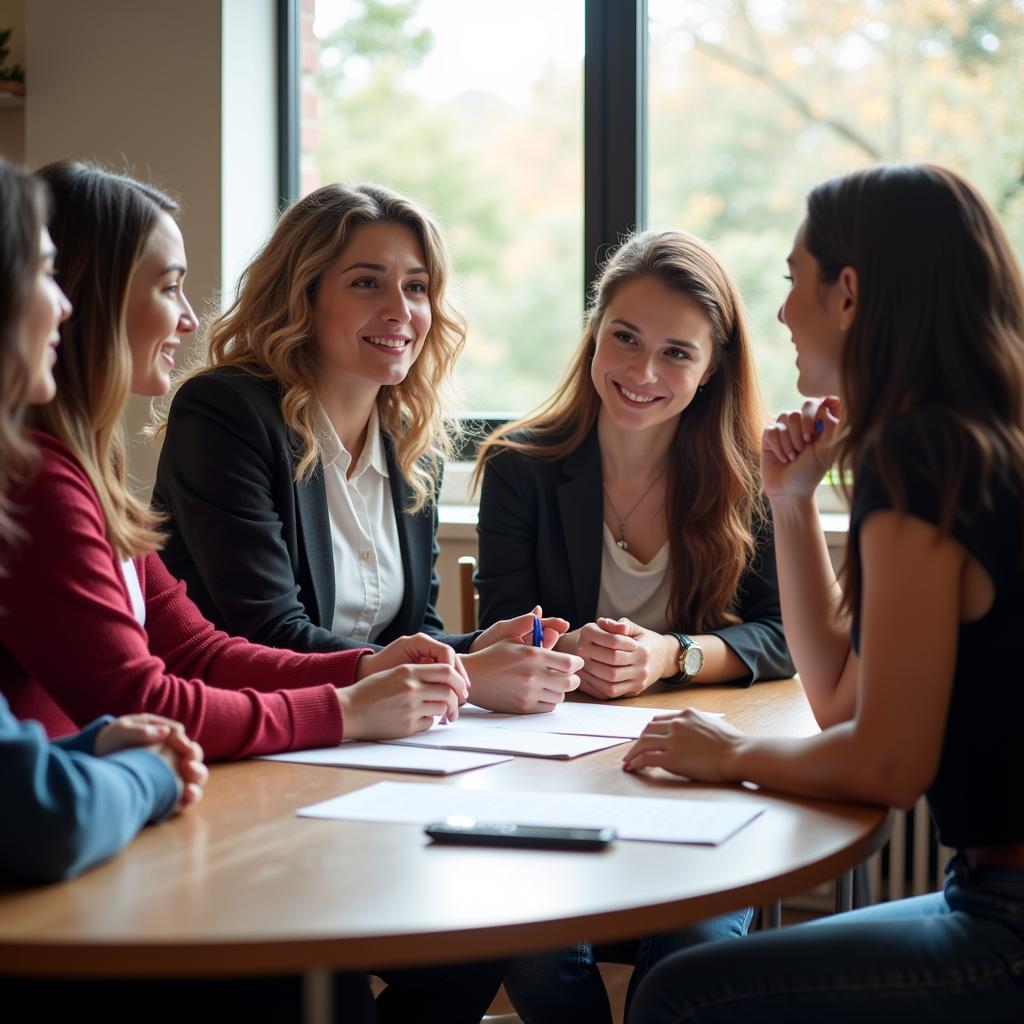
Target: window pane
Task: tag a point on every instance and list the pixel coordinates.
(752, 103)
(474, 109)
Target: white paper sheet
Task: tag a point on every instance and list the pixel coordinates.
(462, 735)
(655, 819)
(389, 758)
(570, 718)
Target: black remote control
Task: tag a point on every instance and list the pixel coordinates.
(546, 837)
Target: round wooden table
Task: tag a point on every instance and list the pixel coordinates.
(241, 885)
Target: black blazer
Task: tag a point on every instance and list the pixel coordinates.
(540, 531)
(254, 546)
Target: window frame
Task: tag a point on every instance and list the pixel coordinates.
(289, 99)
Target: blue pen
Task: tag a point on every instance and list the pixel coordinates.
(538, 633)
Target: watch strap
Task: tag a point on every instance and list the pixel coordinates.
(685, 642)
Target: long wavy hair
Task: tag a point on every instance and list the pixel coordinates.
(101, 224)
(713, 477)
(24, 212)
(269, 328)
(939, 323)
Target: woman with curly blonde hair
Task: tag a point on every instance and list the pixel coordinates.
(301, 465)
(629, 503)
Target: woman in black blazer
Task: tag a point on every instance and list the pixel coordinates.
(312, 444)
(630, 504)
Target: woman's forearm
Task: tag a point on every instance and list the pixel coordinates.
(817, 631)
(837, 764)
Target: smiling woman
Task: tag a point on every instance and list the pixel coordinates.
(629, 504)
(371, 318)
(301, 465)
(646, 376)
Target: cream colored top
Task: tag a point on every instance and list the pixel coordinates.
(632, 588)
(368, 580)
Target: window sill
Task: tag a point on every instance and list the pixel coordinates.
(458, 523)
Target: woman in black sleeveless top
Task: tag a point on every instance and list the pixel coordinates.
(906, 306)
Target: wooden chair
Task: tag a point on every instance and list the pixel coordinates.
(469, 599)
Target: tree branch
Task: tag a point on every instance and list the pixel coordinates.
(760, 70)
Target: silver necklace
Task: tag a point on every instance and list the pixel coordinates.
(622, 542)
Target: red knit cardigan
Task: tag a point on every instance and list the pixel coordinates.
(73, 650)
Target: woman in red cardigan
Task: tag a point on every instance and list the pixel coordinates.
(94, 622)
(72, 803)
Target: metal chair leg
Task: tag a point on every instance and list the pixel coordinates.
(771, 915)
(844, 892)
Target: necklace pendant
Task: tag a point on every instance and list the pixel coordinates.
(622, 543)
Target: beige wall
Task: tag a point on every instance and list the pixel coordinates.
(163, 91)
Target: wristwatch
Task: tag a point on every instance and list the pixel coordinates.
(690, 660)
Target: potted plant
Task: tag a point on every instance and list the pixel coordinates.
(12, 79)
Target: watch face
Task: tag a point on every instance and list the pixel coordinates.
(693, 660)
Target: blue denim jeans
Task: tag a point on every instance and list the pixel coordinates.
(947, 958)
(553, 988)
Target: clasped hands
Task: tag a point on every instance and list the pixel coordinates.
(166, 739)
(622, 659)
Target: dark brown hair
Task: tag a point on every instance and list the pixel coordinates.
(939, 323)
(24, 211)
(713, 473)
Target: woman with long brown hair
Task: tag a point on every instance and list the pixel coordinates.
(301, 466)
(906, 306)
(630, 505)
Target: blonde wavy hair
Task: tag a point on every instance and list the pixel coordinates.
(101, 224)
(24, 211)
(714, 480)
(269, 328)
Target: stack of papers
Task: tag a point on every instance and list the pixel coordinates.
(569, 731)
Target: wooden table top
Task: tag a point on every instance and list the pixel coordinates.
(240, 884)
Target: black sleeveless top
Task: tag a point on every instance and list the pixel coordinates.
(975, 798)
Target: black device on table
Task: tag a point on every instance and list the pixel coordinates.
(470, 832)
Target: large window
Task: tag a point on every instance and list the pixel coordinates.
(475, 109)
(711, 115)
(751, 102)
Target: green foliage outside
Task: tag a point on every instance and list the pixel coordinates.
(750, 104)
